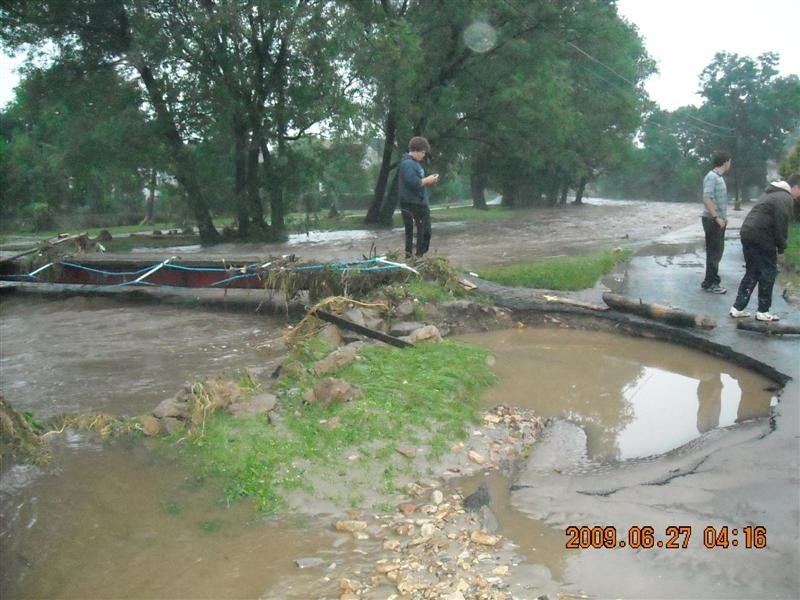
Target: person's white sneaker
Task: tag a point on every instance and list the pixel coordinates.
(738, 314)
(765, 316)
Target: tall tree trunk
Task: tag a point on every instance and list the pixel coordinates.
(509, 196)
(562, 201)
(580, 189)
(389, 138)
(390, 202)
(239, 182)
(185, 171)
(477, 186)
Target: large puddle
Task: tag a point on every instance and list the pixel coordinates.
(634, 398)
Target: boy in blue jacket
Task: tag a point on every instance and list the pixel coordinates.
(414, 202)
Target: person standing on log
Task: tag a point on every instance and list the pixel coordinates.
(764, 234)
(413, 191)
(715, 220)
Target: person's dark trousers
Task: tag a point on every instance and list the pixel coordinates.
(715, 244)
(417, 215)
(760, 268)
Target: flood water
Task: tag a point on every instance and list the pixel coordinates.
(122, 520)
(94, 353)
(633, 397)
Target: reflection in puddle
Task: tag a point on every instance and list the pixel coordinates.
(633, 397)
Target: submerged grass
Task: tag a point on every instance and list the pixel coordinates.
(570, 273)
(429, 391)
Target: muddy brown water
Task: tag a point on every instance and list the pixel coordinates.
(121, 520)
(634, 398)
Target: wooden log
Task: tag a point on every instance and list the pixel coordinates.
(768, 327)
(667, 314)
(377, 335)
(573, 302)
(43, 244)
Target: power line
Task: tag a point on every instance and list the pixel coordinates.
(632, 84)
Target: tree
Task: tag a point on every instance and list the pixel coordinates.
(751, 110)
(76, 141)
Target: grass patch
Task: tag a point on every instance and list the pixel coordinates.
(792, 254)
(570, 273)
(419, 389)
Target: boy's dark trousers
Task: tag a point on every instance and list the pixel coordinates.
(715, 244)
(761, 268)
(419, 215)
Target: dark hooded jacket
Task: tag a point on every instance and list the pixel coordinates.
(410, 186)
(767, 223)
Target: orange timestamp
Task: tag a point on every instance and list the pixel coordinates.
(675, 537)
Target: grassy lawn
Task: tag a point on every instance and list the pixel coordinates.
(417, 395)
(792, 255)
(570, 273)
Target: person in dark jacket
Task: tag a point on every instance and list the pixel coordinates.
(764, 234)
(413, 195)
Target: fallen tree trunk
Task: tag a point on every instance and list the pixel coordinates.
(769, 328)
(573, 302)
(667, 314)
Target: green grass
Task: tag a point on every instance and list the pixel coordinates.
(570, 273)
(420, 391)
(792, 255)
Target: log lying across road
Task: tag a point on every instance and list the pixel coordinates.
(667, 314)
(769, 328)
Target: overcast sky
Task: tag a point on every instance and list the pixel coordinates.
(684, 35)
(681, 35)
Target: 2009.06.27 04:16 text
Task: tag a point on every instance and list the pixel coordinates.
(675, 537)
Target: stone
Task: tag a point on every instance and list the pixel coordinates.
(407, 451)
(429, 332)
(350, 525)
(256, 405)
(171, 424)
(404, 328)
(354, 315)
(407, 508)
(484, 539)
(476, 457)
(477, 499)
(437, 497)
(151, 426)
(404, 309)
(171, 407)
(311, 561)
(338, 358)
(330, 334)
(331, 390)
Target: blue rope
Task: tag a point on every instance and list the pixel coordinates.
(343, 266)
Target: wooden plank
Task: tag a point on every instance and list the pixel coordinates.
(377, 335)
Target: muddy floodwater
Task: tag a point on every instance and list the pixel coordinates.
(123, 520)
(634, 398)
(91, 353)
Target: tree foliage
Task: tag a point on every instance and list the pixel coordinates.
(252, 106)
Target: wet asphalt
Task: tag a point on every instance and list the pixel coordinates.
(747, 475)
